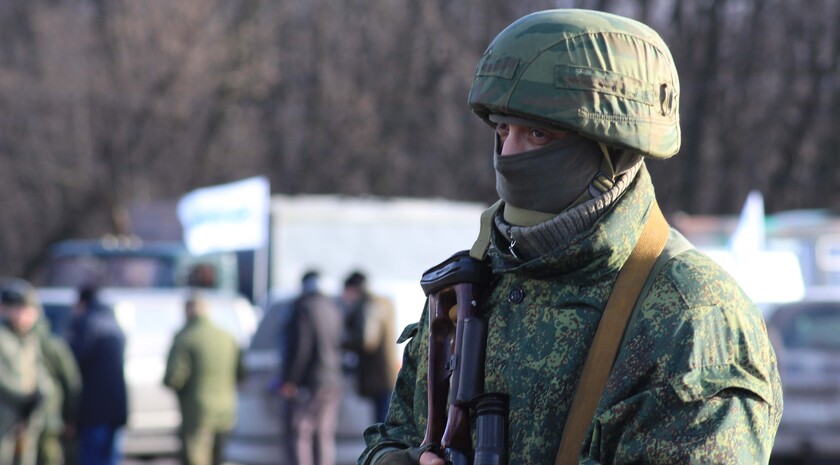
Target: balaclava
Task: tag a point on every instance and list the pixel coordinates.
(539, 184)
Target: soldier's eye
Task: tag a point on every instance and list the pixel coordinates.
(502, 129)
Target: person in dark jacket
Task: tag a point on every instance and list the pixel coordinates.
(370, 334)
(203, 368)
(98, 343)
(311, 376)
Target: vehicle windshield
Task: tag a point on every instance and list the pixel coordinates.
(814, 327)
(139, 266)
(113, 271)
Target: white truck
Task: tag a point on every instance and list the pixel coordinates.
(393, 241)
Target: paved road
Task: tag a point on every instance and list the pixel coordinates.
(173, 461)
(166, 461)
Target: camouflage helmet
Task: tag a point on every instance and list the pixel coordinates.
(604, 76)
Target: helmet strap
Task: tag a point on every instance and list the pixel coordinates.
(603, 181)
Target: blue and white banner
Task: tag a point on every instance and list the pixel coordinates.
(226, 217)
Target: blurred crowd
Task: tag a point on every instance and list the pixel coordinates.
(323, 339)
(63, 397)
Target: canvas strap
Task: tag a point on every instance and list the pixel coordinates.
(482, 243)
(599, 361)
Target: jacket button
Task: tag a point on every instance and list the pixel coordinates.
(516, 296)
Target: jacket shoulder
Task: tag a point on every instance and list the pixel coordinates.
(700, 281)
(702, 333)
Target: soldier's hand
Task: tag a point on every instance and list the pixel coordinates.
(30, 404)
(288, 390)
(410, 456)
(69, 431)
(429, 458)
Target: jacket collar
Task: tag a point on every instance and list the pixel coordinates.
(594, 253)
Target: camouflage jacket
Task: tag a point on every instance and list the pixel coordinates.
(15, 351)
(694, 382)
(203, 367)
(62, 407)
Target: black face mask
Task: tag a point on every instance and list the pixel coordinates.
(548, 179)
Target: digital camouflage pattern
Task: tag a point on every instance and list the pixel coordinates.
(604, 76)
(695, 381)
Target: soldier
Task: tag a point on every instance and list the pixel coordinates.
(57, 444)
(25, 383)
(60, 408)
(578, 100)
(203, 369)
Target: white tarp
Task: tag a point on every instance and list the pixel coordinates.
(226, 217)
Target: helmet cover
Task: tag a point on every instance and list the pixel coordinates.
(604, 76)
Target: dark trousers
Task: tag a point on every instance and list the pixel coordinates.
(311, 422)
(99, 445)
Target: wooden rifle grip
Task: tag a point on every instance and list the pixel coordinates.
(457, 434)
(441, 335)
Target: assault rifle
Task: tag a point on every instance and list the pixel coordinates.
(457, 348)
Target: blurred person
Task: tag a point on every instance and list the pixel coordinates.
(311, 375)
(55, 444)
(58, 442)
(98, 344)
(25, 383)
(203, 368)
(577, 100)
(202, 275)
(370, 334)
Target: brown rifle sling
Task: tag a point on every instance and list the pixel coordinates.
(605, 345)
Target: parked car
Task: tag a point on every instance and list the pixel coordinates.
(150, 318)
(257, 436)
(806, 337)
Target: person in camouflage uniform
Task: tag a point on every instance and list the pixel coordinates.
(203, 367)
(26, 386)
(56, 445)
(60, 408)
(578, 99)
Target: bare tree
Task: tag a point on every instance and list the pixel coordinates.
(107, 103)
